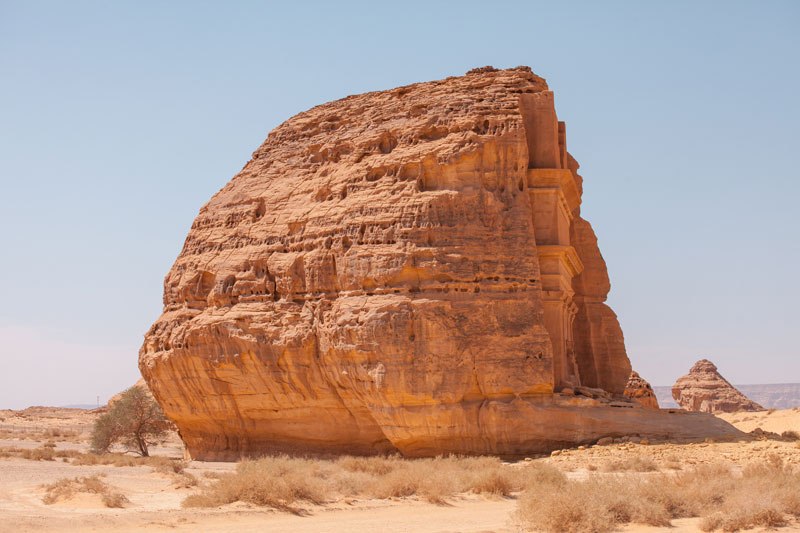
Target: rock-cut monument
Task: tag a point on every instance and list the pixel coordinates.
(400, 271)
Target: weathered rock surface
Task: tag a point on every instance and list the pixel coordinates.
(640, 391)
(404, 270)
(704, 389)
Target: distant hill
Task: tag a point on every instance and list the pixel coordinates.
(80, 406)
(771, 396)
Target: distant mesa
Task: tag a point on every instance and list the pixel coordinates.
(704, 390)
(640, 391)
(403, 271)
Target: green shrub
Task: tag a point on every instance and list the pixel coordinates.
(135, 420)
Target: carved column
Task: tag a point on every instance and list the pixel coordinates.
(555, 196)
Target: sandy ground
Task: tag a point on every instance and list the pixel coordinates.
(773, 420)
(155, 501)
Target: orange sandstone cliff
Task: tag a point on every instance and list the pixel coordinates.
(400, 271)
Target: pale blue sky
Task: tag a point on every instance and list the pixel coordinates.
(118, 120)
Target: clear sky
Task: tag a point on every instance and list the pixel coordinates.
(118, 120)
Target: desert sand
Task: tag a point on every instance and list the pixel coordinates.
(155, 497)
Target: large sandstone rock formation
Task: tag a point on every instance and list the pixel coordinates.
(640, 391)
(405, 270)
(703, 389)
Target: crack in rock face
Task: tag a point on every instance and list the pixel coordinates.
(401, 271)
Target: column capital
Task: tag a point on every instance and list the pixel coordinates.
(566, 254)
(556, 178)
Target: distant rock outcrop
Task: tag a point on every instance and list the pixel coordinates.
(639, 390)
(703, 389)
(400, 271)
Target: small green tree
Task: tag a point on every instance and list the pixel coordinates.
(135, 420)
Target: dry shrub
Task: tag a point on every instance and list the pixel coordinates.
(672, 463)
(282, 481)
(115, 459)
(183, 480)
(595, 505)
(39, 434)
(444, 477)
(791, 435)
(277, 482)
(66, 488)
(45, 453)
(635, 463)
(497, 482)
(39, 454)
(114, 499)
(164, 465)
(762, 495)
(434, 479)
(541, 474)
(370, 465)
(61, 434)
(402, 483)
(135, 419)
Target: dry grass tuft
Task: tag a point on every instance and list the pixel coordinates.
(762, 495)
(66, 488)
(636, 463)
